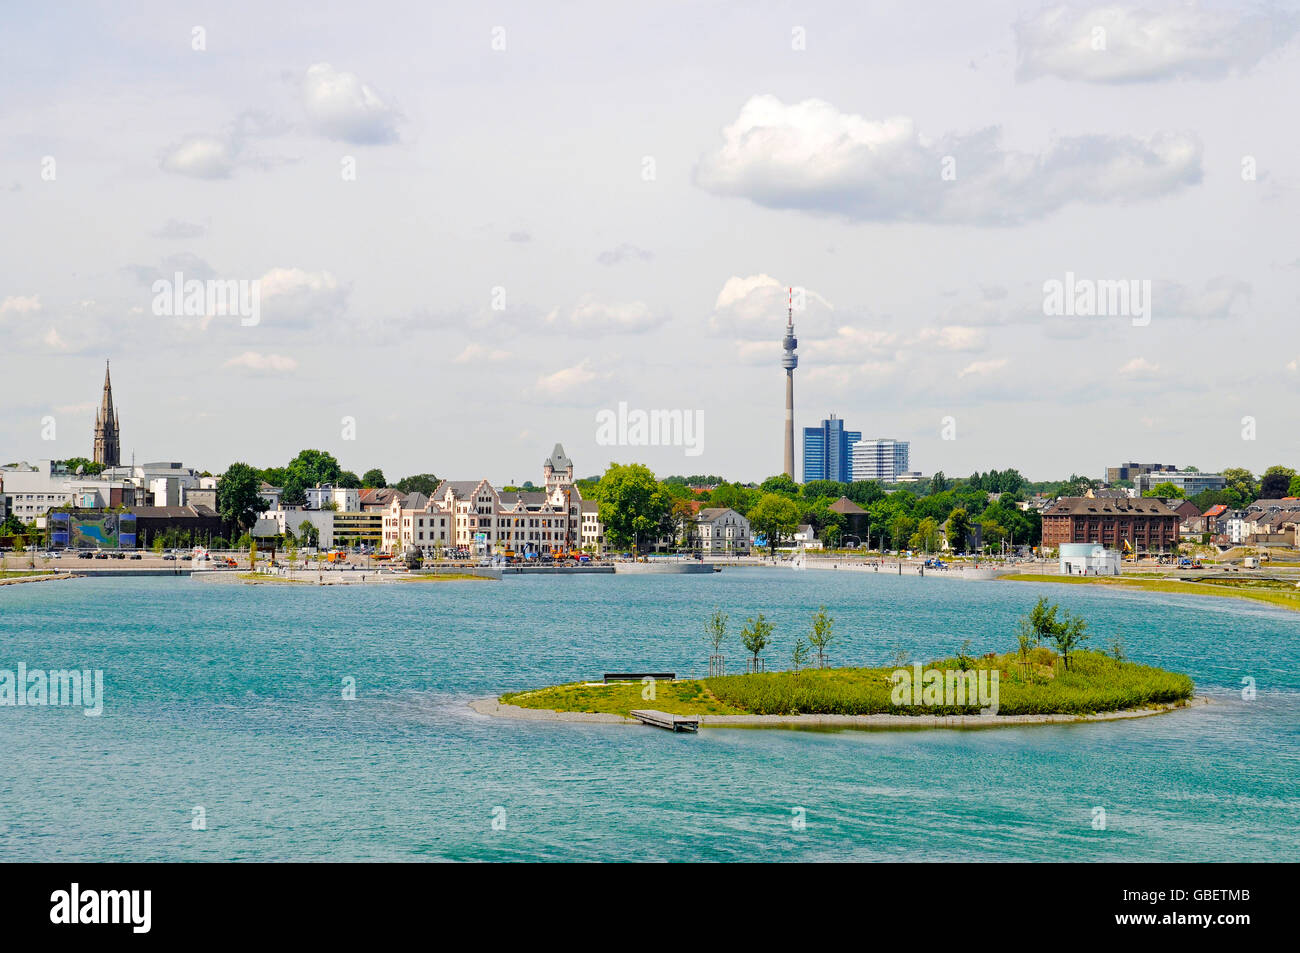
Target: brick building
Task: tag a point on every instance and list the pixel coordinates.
(1147, 524)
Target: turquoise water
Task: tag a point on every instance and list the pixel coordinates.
(229, 698)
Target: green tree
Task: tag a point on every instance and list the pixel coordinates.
(829, 489)
(938, 482)
(1165, 491)
(957, 530)
(1294, 488)
(756, 636)
(715, 630)
(313, 467)
(926, 537)
(1276, 482)
(822, 635)
(776, 517)
(1069, 634)
(238, 501)
(425, 483)
(348, 480)
(901, 528)
(373, 479)
(780, 484)
(632, 504)
(799, 657)
(1241, 484)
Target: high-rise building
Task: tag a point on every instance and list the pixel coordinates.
(828, 451)
(789, 361)
(108, 433)
(880, 459)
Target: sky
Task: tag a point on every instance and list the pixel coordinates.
(473, 228)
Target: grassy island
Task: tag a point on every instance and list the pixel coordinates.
(1034, 685)
(1034, 680)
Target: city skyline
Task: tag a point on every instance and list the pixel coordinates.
(475, 147)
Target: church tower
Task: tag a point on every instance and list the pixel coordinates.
(108, 433)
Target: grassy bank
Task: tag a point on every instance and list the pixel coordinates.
(1273, 592)
(1035, 685)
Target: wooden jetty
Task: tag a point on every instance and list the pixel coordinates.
(661, 719)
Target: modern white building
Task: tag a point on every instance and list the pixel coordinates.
(881, 459)
(1088, 559)
(1189, 481)
(33, 489)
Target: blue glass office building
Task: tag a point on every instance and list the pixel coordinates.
(828, 451)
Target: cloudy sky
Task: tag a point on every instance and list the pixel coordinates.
(475, 226)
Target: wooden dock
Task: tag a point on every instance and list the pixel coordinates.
(661, 719)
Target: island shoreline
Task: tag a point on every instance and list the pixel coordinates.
(494, 708)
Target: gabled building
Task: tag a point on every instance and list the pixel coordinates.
(1145, 525)
(720, 530)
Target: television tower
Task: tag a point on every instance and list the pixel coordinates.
(789, 361)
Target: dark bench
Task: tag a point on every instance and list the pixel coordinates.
(637, 676)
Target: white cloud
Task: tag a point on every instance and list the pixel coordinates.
(983, 368)
(16, 304)
(1140, 368)
(53, 340)
(475, 353)
(263, 363)
(954, 338)
(812, 157)
(294, 296)
(201, 157)
(757, 306)
(591, 314)
(567, 380)
(1112, 43)
(340, 106)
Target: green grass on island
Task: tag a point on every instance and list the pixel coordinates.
(1034, 684)
(1277, 592)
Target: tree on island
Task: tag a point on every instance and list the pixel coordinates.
(715, 632)
(1067, 631)
(237, 496)
(632, 504)
(799, 657)
(822, 634)
(756, 636)
(1070, 633)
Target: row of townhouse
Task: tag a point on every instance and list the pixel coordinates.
(474, 515)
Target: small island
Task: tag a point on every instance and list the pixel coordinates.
(1037, 682)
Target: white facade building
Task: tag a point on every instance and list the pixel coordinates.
(881, 459)
(718, 529)
(473, 515)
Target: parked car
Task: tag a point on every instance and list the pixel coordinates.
(171, 556)
(136, 556)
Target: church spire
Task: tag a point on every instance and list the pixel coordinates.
(108, 448)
